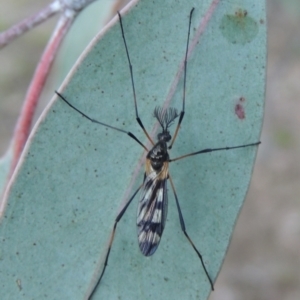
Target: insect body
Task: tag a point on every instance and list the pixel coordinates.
(153, 203)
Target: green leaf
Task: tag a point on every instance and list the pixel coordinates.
(76, 175)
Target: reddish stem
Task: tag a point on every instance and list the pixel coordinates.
(36, 86)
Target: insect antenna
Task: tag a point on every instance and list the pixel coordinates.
(165, 117)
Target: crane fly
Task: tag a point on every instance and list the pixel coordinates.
(153, 202)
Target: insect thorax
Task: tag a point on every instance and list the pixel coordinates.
(158, 155)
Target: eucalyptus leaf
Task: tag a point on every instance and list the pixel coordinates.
(76, 175)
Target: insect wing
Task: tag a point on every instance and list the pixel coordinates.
(152, 210)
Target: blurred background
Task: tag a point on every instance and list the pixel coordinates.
(263, 261)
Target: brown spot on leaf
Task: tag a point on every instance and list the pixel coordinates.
(240, 13)
(239, 108)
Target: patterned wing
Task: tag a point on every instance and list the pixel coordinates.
(152, 209)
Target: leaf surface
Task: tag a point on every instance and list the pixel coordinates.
(76, 176)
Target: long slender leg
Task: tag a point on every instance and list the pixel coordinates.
(132, 82)
(101, 123)
(184, 83)
(187, 236)
(213, 149)
(118, 218)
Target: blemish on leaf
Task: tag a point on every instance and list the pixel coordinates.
(239, 28)
(19, 284)
(239, 108)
